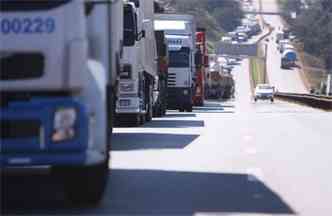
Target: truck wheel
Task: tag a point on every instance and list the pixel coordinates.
(272, 100)
(190, 108)
(149, 114)
(142, 119)
(84, 185)
(255, 99)
(164, 110)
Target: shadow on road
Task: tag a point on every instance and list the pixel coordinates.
(174, 124)
(212, 109)
(135, 141)
(180, 115)
(147, 192)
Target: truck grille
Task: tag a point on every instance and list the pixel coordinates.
(11, 129)
(171, 79)
(19, 66)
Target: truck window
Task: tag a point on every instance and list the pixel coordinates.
(180, 58)
(130, 30)
(30, 5)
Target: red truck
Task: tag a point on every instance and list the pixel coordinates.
(201, 44)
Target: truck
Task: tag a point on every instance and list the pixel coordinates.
(201, 45)
(220, 84)
(57, 82)
(282, 44)
(160, 87)
(288, 59)
(180, 33)
(135, 94)
(279, 36)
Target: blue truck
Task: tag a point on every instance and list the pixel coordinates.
(59, 68)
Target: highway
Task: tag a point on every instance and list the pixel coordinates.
(284, 80)
(233, 158)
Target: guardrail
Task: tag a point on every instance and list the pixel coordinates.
(316, 101)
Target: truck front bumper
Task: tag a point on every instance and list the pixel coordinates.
(179, 98)
(23, 146)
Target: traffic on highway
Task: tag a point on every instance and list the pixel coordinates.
(155, 108)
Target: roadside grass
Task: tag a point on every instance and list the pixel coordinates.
(313, 68)
(257, 70)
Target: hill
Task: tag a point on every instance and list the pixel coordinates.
(217, 16)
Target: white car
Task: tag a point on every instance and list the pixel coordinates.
(264, 92)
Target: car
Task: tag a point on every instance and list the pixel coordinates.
(241, 39)
(264, 92)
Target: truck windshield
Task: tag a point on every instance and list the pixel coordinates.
(180, 58)
(30, 5)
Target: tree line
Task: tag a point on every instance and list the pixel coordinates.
(217, 16)
(313, 26)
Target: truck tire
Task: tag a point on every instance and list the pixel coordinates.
(137, 120)
(149, 112)
(189, 108)
(84, 185)
(163, 112)
(157, 111)
(142, 119)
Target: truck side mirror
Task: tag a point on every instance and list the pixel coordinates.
(88, 8)
(136, 3)
(130, 26)
(140, 35)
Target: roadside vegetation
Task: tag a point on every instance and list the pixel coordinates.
(313, 28)
(257, 71)
(218, 17)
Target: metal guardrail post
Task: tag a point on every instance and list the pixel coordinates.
(329, 84)
(265, 62)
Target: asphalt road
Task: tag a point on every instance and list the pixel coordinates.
(285, 80)
(227, 158)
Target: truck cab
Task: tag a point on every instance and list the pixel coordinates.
(180, 34)
(135, 90)
(54, 78)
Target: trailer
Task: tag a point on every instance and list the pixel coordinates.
(160, 88)
(135, 100)
(180, 33)
(288, 59)
(202, 65)
(58, 71)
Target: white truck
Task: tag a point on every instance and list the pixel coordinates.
(58, 75)
(135, 98)
(180, 32)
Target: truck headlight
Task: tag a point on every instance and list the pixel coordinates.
(127, 87)
(64, 124)
(185, 92)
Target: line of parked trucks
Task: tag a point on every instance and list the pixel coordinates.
(72, 69)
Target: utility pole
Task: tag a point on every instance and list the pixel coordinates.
(329, 84)
(265, 60)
